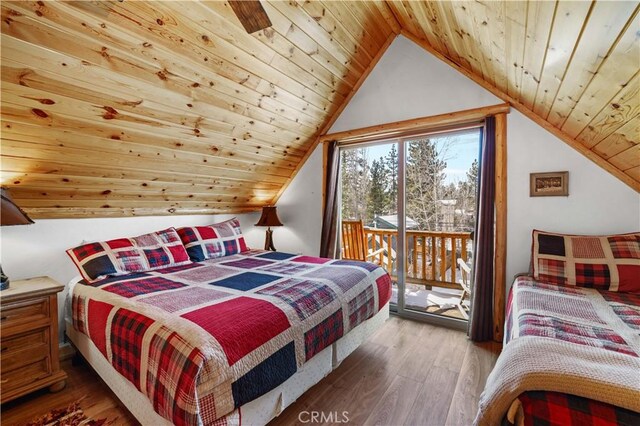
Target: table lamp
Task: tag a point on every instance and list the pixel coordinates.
(10, 214)
(269, 218)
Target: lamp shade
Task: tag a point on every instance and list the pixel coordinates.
(269, 217)
(10, 213)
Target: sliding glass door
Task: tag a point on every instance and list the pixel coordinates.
(415, 198)
(440, 176)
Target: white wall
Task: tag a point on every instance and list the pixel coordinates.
(598, 203)
(409, 83)
(299, 210)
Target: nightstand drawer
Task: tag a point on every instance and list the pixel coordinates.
(19, 314)
(35, 338)
(15, 358)
(25, 375)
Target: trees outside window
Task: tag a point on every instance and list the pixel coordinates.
(437, 198)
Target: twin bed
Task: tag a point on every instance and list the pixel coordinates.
(571, 357)
(571, 351)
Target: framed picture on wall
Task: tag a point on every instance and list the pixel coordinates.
(549, 184)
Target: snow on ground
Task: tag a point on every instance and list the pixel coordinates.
(419, 297)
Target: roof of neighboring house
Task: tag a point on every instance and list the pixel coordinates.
(391, 221)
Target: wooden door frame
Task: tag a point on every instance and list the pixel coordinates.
(443, 122)
(500, 246)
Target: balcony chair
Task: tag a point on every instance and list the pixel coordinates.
(465, 282)
(354, 243)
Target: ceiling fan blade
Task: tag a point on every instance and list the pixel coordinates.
(251, 14)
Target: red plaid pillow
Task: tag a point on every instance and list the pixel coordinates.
(217, 240)
(606, 262)
(147, 252)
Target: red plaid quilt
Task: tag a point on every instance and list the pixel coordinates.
(541, 408)
(538, 309)
(201, 340)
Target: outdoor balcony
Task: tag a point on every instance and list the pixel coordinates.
(436, 274)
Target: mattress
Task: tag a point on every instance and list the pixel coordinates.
(202, 340)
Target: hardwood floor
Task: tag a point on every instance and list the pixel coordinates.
(407, 373)
(96, 399)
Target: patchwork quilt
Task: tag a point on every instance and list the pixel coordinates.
(571, 356)
(569, 314)
(201, 340)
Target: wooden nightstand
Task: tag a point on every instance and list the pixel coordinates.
(29, 338)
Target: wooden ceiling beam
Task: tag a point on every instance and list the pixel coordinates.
(251, 15)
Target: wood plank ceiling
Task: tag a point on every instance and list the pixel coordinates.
(143, 108)
(137, 108)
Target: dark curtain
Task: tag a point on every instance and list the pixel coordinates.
(481, 324)
(330, 213)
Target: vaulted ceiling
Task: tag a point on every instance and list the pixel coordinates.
(137, 108)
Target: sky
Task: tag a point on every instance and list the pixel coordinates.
(464, 149)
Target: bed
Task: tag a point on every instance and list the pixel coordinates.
(572, 339)
(226, 341)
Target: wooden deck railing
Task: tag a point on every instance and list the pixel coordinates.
(431, 255)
